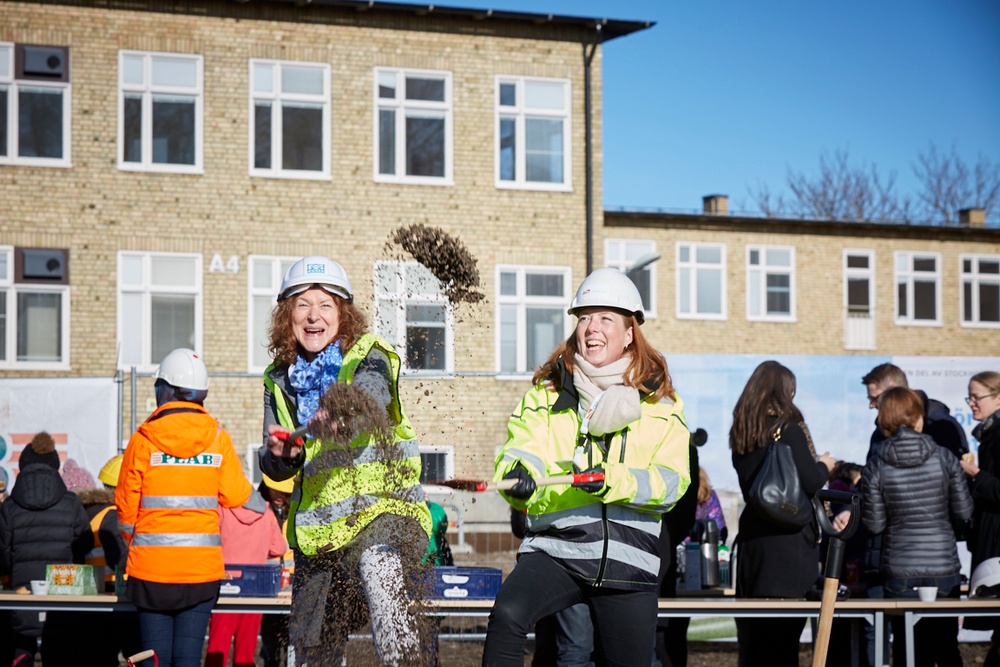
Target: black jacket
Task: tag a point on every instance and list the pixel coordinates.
(912, 492)
(984, 536)
(40, 524)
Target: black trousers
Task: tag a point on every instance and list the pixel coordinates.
(624, 621)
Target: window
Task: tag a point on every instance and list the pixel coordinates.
(532, 135)
(859, 299)
(918, 288)
(290, 114)
(264, 281)
(34, 308)
(980, 290)
(437, 462)
(412, 313)
(771, 283)
(623, 255)
(701, 281)
(531, 315)
(413, 126)
(159, 112)
(34, 105)
(159, 306)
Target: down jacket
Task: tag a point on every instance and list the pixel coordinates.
(912, 491)
(41, 523)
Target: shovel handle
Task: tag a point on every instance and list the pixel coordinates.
(142, 655)
(576, 478)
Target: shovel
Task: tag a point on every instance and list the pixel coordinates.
(143, 655)
(834, 564)
(480, 485)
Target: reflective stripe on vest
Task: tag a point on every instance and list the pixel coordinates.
(180, 502)
(177, 540)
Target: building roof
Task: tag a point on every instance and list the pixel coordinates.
(731, 223)
(608, 29)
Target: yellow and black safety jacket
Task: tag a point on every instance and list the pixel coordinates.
(340, 490)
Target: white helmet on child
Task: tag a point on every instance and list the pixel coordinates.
(608, 288)
(316, 270)
(184, 369)
(985, 582)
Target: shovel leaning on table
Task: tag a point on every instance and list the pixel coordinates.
(834, 563)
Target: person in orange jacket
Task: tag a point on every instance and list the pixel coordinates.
(179, 467)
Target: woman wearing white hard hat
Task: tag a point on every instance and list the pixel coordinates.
(358, 521)
(983, 537)
(178, 468)
(603, 402)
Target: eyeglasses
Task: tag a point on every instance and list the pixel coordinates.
(976, 399)
(873, 400)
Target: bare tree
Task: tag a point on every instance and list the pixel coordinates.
(844, 192)
(950, 185)
(839, 192)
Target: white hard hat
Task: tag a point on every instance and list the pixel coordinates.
(184, 369)
(316, 270)
(608, 288)
(985, 579)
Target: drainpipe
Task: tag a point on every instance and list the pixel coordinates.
(588, 56)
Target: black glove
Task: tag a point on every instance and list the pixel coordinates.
(525, 484)
(590, 487)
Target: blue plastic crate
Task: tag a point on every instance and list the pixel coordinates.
(470, 583)
(252, 580)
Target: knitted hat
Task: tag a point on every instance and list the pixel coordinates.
(41, 449)
(77, 478)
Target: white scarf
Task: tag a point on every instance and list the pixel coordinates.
(618, 404)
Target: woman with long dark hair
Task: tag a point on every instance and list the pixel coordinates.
(772, 560)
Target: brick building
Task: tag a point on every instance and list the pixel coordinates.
(162, 163)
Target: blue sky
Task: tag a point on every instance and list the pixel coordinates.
(721, 96)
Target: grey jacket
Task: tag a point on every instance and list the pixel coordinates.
(912, 491)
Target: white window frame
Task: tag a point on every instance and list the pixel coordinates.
(277, 98)
(523, 302)
(147, 289)
(147, 90)
(855, 272)
(692, 266)
(396, 303)
(907, 274)
(976, 279)
(759, 274)
(8, 79)
(449, 459)
(12, 289)
(622, 253)
(277, 271)
(521, 112)
(402, 106)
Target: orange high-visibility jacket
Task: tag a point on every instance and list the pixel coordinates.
(179, 467)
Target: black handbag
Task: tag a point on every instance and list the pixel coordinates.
(776, 493)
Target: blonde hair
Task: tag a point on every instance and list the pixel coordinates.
(704, 486)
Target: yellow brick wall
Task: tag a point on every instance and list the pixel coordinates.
(95, 209)
(819, 286)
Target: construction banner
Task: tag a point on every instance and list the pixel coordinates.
(79, 414)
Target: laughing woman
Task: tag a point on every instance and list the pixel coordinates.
(602, 403)
(358, 522)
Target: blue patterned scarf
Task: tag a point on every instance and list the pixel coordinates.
(311, 379)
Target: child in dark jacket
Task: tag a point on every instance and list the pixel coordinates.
(51, 527)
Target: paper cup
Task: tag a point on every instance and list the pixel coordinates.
(39, 587)
(927, 593)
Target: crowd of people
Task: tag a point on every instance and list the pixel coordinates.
(344, 502)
